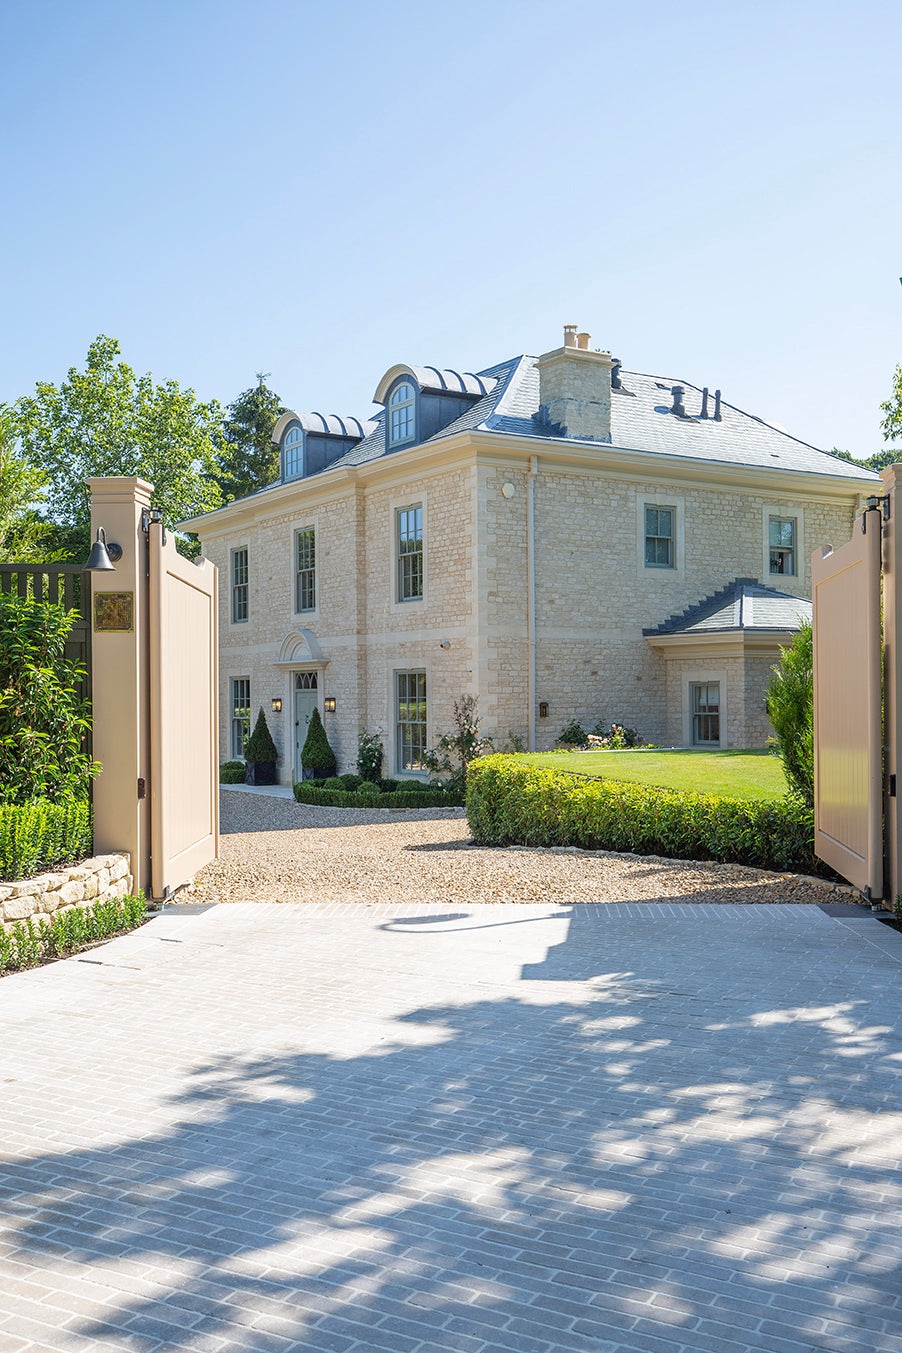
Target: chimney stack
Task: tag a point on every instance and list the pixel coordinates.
(575, 389)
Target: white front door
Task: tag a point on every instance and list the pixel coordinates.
(304, 705)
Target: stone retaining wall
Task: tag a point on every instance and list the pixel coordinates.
(102, 877)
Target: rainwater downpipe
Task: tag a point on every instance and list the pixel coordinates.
(531, 593)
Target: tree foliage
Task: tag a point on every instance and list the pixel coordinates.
(790, 708)
(42, 720)
(248, 458)
(24, 536)
(105, 420)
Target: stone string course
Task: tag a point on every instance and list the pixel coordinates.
(95, 880)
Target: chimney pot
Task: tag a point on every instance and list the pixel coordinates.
(677, 392)
(704, 412)
(582, 341)
(569, 335)
(718, 416)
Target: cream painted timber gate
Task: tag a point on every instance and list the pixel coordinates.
(184, 772)
(848, 751)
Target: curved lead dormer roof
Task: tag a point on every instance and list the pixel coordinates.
(433, 378)
(323, 425)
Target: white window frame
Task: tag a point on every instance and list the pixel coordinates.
(405, 411)
(296, 447)
(784, 510)
(660, 507)
(399, 675)
(240, 591)
(399, 512)
(700, 676)
(656, 574)
(235, 720)
(300, 531)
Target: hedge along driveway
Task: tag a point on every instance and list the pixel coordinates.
(752, 774)
(513, 803)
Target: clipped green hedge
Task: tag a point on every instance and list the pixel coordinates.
(31, 942)
(409, 798)
(509, 803)
(35, 836)
(231, 773)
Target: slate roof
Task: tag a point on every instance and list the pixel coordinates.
(641, 421)
(743, 606)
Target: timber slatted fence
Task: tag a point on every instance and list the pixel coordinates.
(68, 585)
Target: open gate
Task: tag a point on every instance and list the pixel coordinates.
(848, 752)
(184, 772)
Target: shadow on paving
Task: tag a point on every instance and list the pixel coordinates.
(525, 1177)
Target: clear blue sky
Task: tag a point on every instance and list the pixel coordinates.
(321, 190)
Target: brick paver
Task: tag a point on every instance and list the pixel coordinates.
(511, 1129)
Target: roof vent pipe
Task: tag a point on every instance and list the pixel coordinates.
(704, 412)
(616, 383)
(718, 416)
(569, 335)
(677, 392)
(582, 341)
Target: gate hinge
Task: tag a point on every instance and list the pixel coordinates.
(892, 786)
(142, 787)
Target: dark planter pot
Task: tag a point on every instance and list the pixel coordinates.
(260, 773)
(319, 772)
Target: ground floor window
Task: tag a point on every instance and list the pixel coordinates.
(241, 716)
(411, 721)
(705, 696)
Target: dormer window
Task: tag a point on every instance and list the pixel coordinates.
(293, 453)
(402, 418)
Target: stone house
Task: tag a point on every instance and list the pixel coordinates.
(561, 537)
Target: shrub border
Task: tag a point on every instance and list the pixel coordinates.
(38, 940)
(336, 798)
(512, 804)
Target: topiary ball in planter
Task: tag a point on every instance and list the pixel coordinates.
(317, 757)
(261, 754)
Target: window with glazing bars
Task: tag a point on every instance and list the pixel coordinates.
(241, 715)
(659, 536)
(293, 454)
(411, 724)
(410, 553)
(401, 415)
(239, 585)
(305, 556)
(782, 544)
(706, 712)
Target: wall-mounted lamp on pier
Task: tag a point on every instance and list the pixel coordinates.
(103, 557)
(543, 709)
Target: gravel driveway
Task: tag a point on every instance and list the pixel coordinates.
(275, 850)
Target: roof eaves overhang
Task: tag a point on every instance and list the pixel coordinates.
(722, 643)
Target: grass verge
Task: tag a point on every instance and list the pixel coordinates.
(754, 774)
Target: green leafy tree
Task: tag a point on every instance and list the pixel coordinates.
(42, 720)
(24, 536)
(248, 459)
(790, 708)
(105, 420)
(316, 754)
(454, 751)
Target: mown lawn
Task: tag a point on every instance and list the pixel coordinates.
(754, 774)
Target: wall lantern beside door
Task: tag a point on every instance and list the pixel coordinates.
(276, 706)
(329, 704)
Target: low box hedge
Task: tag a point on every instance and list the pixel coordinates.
(509, 803)
(40, 939)
(36, 836)
(231, 773)
(305, 792)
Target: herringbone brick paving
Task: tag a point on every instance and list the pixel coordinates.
(508, 1129)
